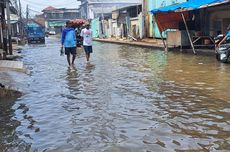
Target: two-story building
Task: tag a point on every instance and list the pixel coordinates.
(55, 18)
(91, 9)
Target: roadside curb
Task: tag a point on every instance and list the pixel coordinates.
(14, 65)
(6, 89)
(138, 44)
(205, 52)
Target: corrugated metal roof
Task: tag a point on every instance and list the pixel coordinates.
(190, 5)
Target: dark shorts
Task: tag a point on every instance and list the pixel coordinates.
(88, 49)
(71, 50)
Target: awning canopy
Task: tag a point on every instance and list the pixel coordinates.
(190, 5)
(168, 17)
(169, 20)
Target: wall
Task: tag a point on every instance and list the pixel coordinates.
(95, 26)
(114, 28)
(141, 26)
(110, 28)
(135, 27)
(150, 18)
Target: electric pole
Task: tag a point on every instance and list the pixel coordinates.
(4, 31)
(21, 28)
(27, 14)
(9, 26)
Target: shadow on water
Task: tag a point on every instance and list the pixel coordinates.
(9, 136)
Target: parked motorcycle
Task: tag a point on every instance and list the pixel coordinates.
(223, 52)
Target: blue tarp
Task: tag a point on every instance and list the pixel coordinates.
(190, 5)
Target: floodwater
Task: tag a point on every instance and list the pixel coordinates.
(127, 99)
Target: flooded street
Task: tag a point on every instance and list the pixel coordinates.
(127, 99)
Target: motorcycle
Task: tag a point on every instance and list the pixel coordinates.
(223, 52)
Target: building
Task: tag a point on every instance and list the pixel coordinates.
(9, 26)
(126, 22)
(197, 21)
(151, 29)
(40, 19)
(91, 9)
(55, 18)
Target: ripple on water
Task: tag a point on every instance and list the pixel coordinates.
(125, 99)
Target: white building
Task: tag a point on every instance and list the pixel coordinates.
(91, 9)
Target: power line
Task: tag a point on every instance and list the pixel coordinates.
(45, 5)
(38, 7)
(34, 10)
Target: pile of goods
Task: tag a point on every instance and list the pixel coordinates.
(78, 23)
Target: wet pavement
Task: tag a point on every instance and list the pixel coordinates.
(127, 99)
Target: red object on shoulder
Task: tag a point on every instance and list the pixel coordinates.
(78, 23)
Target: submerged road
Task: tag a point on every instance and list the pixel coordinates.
(127, 99)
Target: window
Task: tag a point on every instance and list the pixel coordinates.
(61, 15)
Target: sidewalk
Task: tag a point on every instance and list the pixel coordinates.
(154, 43)
(148, 43)
(10, 59)
(8, 87)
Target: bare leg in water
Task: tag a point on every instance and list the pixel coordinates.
(87, 56)
(68, 59)
(73, 59)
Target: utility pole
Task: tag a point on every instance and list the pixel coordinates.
(4, 32)
(21, 28)
(27, 14)
(145, 16)
(102, 20)
(9, 27)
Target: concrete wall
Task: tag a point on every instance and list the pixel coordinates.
(150, 18)
(135, 27)
(110, 28)
(132, 26)
(114, 28)
(141, 22)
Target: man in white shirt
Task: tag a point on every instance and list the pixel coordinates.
(86, 33)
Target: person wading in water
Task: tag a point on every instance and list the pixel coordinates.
(86, 33)
(69, 42)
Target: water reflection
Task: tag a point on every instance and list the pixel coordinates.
(199, 72)
(9, 136)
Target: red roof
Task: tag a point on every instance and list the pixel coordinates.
(50, 8)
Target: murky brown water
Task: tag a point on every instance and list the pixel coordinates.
(126, 99)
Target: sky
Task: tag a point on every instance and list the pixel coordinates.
(37, 6)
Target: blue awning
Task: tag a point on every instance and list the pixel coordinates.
(190, 5)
